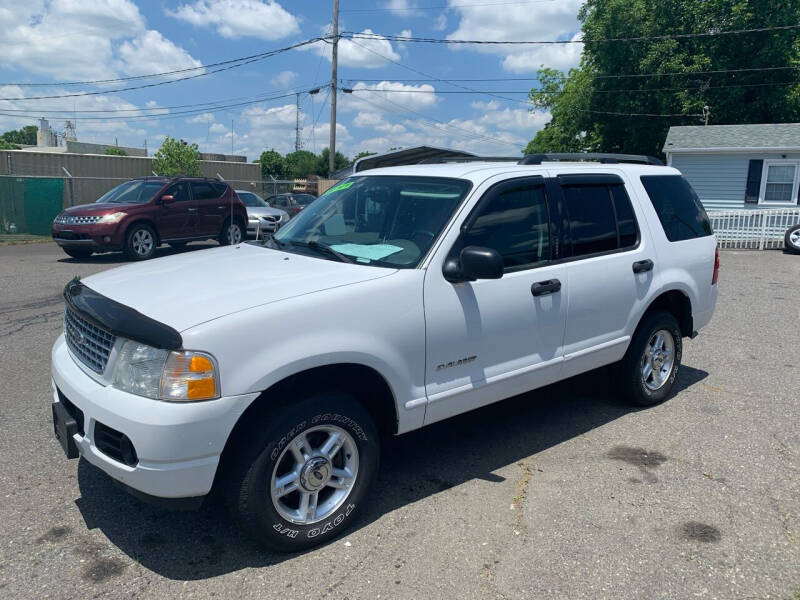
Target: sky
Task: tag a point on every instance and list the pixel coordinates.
(399, 97)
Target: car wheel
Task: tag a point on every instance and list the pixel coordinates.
(791, 241)
(301, 474)
(78, 252)
(232, 233)
(647, 372)
(140, 242)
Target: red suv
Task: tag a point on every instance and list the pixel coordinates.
(142, 214)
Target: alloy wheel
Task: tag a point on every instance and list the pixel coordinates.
(658, 359)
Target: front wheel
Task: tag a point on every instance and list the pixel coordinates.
(302, 474)
(649, 368)
(140, 242)
(232, 233)
(791, 241)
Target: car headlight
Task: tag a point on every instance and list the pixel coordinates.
(177, 376)
(112, 217)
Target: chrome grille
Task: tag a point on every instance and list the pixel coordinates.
(90, 344)
(68, 220)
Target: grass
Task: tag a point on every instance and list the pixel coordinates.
(22, 238)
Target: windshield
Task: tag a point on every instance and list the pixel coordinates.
(249, 199)
(304, 199)
(388, 221)
(138, 191)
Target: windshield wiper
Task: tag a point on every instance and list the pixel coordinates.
(319, 246)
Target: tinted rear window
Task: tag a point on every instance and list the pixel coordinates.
(678, 207)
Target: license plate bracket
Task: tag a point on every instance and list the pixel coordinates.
(65, 427)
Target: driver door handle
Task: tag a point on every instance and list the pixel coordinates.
(191, 210)
(551, 286)
(642, 266)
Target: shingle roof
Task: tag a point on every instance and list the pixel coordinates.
(770, 135)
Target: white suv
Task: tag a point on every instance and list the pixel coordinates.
(402, 296)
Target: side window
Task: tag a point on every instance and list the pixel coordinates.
(514, 222)
(592, 224)
(179, 190)
(677, 206)
(203, 190)
(220, 188)
(626, 221)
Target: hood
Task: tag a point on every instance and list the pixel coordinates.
(194, 287)
(93, 209)
(263, 211)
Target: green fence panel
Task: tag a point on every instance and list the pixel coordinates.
(43, 201)
(12, 205)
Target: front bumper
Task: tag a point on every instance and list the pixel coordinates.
(178, 445)
(101, 236)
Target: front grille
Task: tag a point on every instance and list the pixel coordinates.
(90, 344)
(114, 444)
(68, 220)
(272, 218)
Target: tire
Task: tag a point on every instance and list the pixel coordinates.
(791, 241)
(140, 242)
(233, 232)
(258, 500)
(634, 383)
(78, 252)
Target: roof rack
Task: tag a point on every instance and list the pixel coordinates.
(605, 158)
(467, 159)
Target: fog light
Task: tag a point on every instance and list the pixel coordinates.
(106, 238)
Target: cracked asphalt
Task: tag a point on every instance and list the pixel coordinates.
(559, 493)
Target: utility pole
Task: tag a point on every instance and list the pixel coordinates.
(298, 144)
(231, 136)
(334, 60)
(706, 114)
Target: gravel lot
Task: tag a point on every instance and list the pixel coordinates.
(561, 493)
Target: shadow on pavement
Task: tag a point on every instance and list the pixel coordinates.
(110, 258)
(206, 543)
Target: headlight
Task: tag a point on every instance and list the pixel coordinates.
(162, 375)
(112, 218)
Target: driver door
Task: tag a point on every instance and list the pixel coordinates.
(491, 339)
(177, 219)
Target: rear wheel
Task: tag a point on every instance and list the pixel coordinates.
(78, 252)
(791, 241)
(232, 233)
(140, 242)
(301, 474)
(649, 368)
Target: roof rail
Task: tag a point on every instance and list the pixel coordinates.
(466, 159)
(605, 158)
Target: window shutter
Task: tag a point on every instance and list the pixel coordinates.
(753, 181)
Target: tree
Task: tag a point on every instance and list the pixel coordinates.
(363, 154)
(273, 164)
(4, 145)
(301, 164)
(115, 151)
(24, 136)
(340, 161)
(605, 105)
(176, 157)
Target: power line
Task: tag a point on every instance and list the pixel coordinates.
(440, 7)
(158, 83)
(677, 36)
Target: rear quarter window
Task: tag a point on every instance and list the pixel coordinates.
(677, 206)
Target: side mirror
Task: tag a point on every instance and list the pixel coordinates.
(474, 262)
(167, 199)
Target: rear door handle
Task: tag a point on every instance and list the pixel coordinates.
(191, 210)
(540, 288)
(642, 266)
(220, 207)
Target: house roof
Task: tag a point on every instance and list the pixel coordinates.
(767, 136)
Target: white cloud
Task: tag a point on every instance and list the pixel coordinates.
(375, 121)
(284, 79)
(217, 128)
(389, 96)
(440, 22)
(267, 20)
(75, 39)
(550, 20)
(151, 52)
(201, 118)
(370, 53)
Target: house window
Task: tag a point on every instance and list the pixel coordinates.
(779, 182)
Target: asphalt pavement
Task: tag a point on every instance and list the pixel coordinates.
(560, 493)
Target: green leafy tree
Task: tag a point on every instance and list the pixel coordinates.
(605, 105)
(26, 135)
(4, 145)
(176, 157)
(301, 164)
(362, 154)
(115, 151)
(340, 161)
(273, 164)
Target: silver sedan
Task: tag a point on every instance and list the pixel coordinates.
(261, 217)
